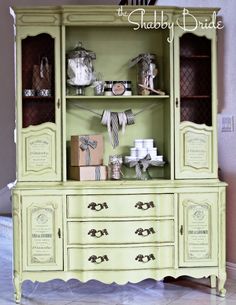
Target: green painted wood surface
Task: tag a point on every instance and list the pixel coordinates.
(121, 258)
(151, 205)
(120, 232)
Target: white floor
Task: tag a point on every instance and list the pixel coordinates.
(149, 292)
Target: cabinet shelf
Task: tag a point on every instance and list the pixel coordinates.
(195, 57)
(36, 98)
(197, 97)
(124, 182)
(122, 97)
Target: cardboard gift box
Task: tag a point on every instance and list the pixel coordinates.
(87, 150)
(88, 173)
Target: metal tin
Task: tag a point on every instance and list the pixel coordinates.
(118, 88)
(44, 92)
(28, 92)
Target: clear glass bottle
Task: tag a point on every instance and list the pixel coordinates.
(114, 167)
(146, 73)
(80, 70)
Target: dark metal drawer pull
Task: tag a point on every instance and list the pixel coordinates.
(98, 259)
(97, 233)
(145, 232)
(145, 258)
(144, 205)
(97, 206)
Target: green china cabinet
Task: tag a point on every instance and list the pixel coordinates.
(126, 230)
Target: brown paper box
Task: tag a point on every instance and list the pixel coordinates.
(79, 157)
(88, 173)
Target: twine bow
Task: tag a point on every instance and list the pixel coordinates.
(141, 165)
(85, 145)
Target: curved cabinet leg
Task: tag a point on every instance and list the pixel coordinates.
(17, 286)
(213, 281)
(221, 284)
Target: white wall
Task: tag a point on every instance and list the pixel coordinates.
(227, 103)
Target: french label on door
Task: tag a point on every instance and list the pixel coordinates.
(196, 150)
(42, 235)
(39, 153)
(198, 243)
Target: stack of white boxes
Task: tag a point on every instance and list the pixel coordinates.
(141, 148)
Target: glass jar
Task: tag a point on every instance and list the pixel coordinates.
(114, 167)
(146, 72)
(80, 68)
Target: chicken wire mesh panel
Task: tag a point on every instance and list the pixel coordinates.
(195, 79)
(38, 112)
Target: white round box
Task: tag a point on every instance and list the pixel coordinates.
(141, 152)
(138, 143)
(148, 143)
(133, 152)
(152, 151)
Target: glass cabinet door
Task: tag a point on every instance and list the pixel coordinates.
(195, 79)
(38, 80)
(38, 104)
(195, 104)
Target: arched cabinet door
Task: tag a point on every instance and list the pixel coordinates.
(38, 104)
(195, 104)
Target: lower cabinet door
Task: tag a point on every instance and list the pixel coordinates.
(42, 233)
(198, 228)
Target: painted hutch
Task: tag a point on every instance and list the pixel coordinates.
(181, 210)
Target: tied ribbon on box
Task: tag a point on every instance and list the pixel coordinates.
(97, 173)
(141, 165)
(85, 145)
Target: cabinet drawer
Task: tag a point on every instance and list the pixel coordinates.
(104, 232)
(120, 205)
(145, 257)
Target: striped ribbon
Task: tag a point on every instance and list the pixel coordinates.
(113, 120)
(115, 128)
(97, 173)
